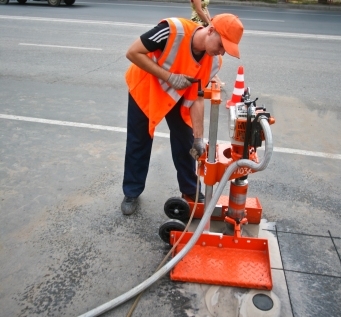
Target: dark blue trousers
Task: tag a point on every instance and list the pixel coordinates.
(139, 146)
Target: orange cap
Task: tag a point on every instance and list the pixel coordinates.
(230, 28)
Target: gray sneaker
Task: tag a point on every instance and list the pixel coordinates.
(129, 205)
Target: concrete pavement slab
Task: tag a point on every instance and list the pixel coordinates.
(309, 254)
(314, 295)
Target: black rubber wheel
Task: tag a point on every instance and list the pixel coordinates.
(54, 3)
(69, 2)
(168, 226)
(4, 1)
(22, 1)
(177, 208)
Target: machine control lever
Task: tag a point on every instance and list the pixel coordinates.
(200, 91)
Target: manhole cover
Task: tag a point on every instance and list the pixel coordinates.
(262, 302)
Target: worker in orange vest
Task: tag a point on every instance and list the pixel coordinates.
(166, 62)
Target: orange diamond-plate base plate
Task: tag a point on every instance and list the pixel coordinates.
(223, 260)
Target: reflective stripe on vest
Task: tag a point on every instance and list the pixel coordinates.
(176, 43)
(167, 58)
(215, 66)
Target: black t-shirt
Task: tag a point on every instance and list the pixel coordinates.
(156, 39)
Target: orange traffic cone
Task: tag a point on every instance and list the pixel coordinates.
(238, 89)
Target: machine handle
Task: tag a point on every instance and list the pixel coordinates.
(200, 91)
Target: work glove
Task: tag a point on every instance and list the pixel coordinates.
(179, 81)
(198, 148)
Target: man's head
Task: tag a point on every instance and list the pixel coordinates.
(230, 29)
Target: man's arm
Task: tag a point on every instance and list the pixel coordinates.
(197, 117)
(137, 54)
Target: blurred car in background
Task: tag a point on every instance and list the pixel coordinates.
(54, 3)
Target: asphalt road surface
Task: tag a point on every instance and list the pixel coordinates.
(65, 247)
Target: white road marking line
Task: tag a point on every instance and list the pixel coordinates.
(63, 123)
(295, 35)
(74, 21)
(308, 153)
(60, 46)
(139, 25)
(109, 34)
(301, 12)
(262, 20)
(158, 134)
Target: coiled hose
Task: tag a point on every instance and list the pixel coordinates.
(197, 233)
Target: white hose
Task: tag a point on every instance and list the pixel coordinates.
(206, 217)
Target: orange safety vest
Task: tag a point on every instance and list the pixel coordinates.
(156, 97)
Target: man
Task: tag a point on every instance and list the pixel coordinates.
(166, 63)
